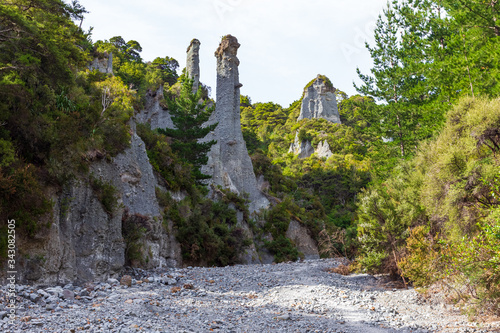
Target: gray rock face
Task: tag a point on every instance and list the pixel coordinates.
(228, 161)
(319, 101)
(104, 65)
(153, 113)
(323, 150)
(193, 63)
(303, 149)
(132, 174)
(301, 236)
(84, 242)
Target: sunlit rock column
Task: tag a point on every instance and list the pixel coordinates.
(229, 163)
(193, 63)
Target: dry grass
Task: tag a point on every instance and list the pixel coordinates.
(175, 289)
(340, 269)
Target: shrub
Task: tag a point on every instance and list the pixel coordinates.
(422, 261)
(106, 193)
(134, 228)
(176, 173)
(208, 233)
(22, 199)
(283, 249)
(438, 216)
(385, 213)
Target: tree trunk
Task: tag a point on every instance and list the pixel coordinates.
(401, 143)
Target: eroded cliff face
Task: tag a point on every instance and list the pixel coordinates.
(319, 101)
(85, 242)
(228, 161)
(153, 113)
(132, 174)
(302, 149)
(323, 150)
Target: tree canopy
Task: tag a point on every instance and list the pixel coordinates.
(189, 112)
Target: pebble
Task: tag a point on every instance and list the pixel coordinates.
(287, 297)
(68, 294)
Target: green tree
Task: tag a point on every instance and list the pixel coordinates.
(131, 50)
(385, 212)
(398, 80)
(189, 113)
(475, 39)
(40, 50)
(127, 62)
(167, 67)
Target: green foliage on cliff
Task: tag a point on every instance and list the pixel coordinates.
(56, 116)
(324, 190)
(188, 116)
(175, 172)
(207, 230)
(319, 77)
(40, 51)
(105, 192)
(434, 216)
(130, 67)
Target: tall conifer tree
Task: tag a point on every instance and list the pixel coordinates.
(189, 113)
(399, 79)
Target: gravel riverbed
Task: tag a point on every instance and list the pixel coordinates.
(287, 297)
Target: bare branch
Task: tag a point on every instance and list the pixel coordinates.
(106, 99)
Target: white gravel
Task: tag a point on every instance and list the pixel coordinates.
(287, 297)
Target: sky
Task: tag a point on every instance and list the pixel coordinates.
(284, 43)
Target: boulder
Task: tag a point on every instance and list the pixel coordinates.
(323, 150)
(319, 101)
(303, 149)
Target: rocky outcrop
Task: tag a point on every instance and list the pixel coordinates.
(83, 243)
(302, 148)
(319, 101)
(103, 65)
(86, 243)
(228, 161)
(153, 113)
(323, 150)
(193, 63)
(303, 240)
(132, 174)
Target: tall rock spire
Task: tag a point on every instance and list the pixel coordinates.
(319, 101)
(228, 161)
(193, 63)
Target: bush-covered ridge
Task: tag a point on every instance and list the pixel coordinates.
(436, 217)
